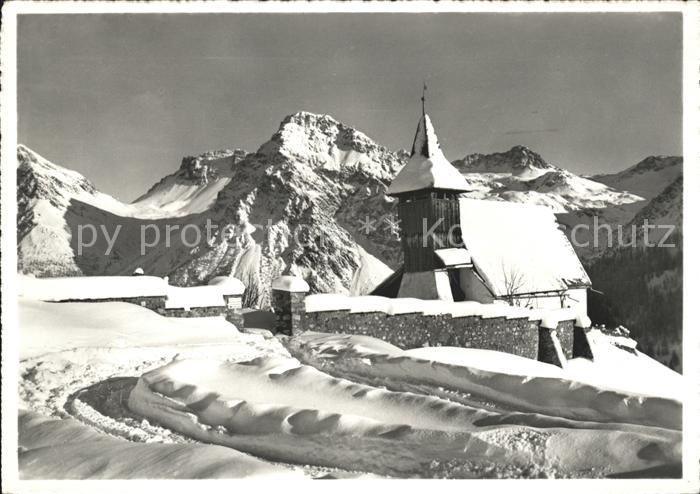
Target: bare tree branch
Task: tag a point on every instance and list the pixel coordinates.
(513, 281)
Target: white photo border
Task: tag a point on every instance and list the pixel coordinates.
(691, 336)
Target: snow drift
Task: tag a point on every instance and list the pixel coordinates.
(392, 413)
(510, 381)
(52, 448)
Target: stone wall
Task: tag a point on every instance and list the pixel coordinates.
(194, 312)
(289, 309)
(582, 347)
(547, 349)
(565, 333)
(232, 311)
(153, 303)
(517, 336)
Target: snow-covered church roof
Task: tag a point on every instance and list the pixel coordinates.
(519, 248)
(427, 168)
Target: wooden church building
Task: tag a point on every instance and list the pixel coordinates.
(481, 274)
(460, 249)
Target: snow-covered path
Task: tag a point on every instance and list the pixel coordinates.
(329, 403)
(278, 408)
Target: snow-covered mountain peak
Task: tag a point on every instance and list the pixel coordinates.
(41, 182)
(38, 178)
(518, 160)
(193, 188)
(653, 163)
(323, 142)
(211, 165)
(314, 124)
(521, 175)
(552, 180)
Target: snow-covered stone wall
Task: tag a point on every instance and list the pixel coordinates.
(518, 336)
(556, 346)
(232, 310)
(545, 335)
(221, 297)
(156, 303)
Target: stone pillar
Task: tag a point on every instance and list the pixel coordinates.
(231, 290)
(565, 333)
(288, 294)
(582, 347)
(548, 348)
(234, 310)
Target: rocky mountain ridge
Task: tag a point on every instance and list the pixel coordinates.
(310, 200)
(518, 160)
(646, 178)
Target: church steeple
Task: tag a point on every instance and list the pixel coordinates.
(427, 168)
(428, 189)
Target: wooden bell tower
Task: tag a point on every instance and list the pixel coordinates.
(428, 189)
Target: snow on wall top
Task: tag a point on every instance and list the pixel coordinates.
(228, 285)
(427, 168)
(324, 302)
(289, 283)
(518, 248)
(92, 287)
(121, 287)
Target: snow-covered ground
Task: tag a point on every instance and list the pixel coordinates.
(125, 392)
(66, 449)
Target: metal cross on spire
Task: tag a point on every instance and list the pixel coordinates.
(422, 98)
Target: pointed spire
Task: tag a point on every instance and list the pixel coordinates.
(425, 142)
(427, 168)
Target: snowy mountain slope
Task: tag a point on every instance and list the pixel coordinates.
(664, 209)
(294, 204)
(311, 200)
(661, 212)
(643, 287)
(38, 179)
(45, 193)
(194, 187)
(57, 208)
(647, 178)
(519, 161)
(582, 204)
(521, 175)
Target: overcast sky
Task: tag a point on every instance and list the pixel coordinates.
(121, 98)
